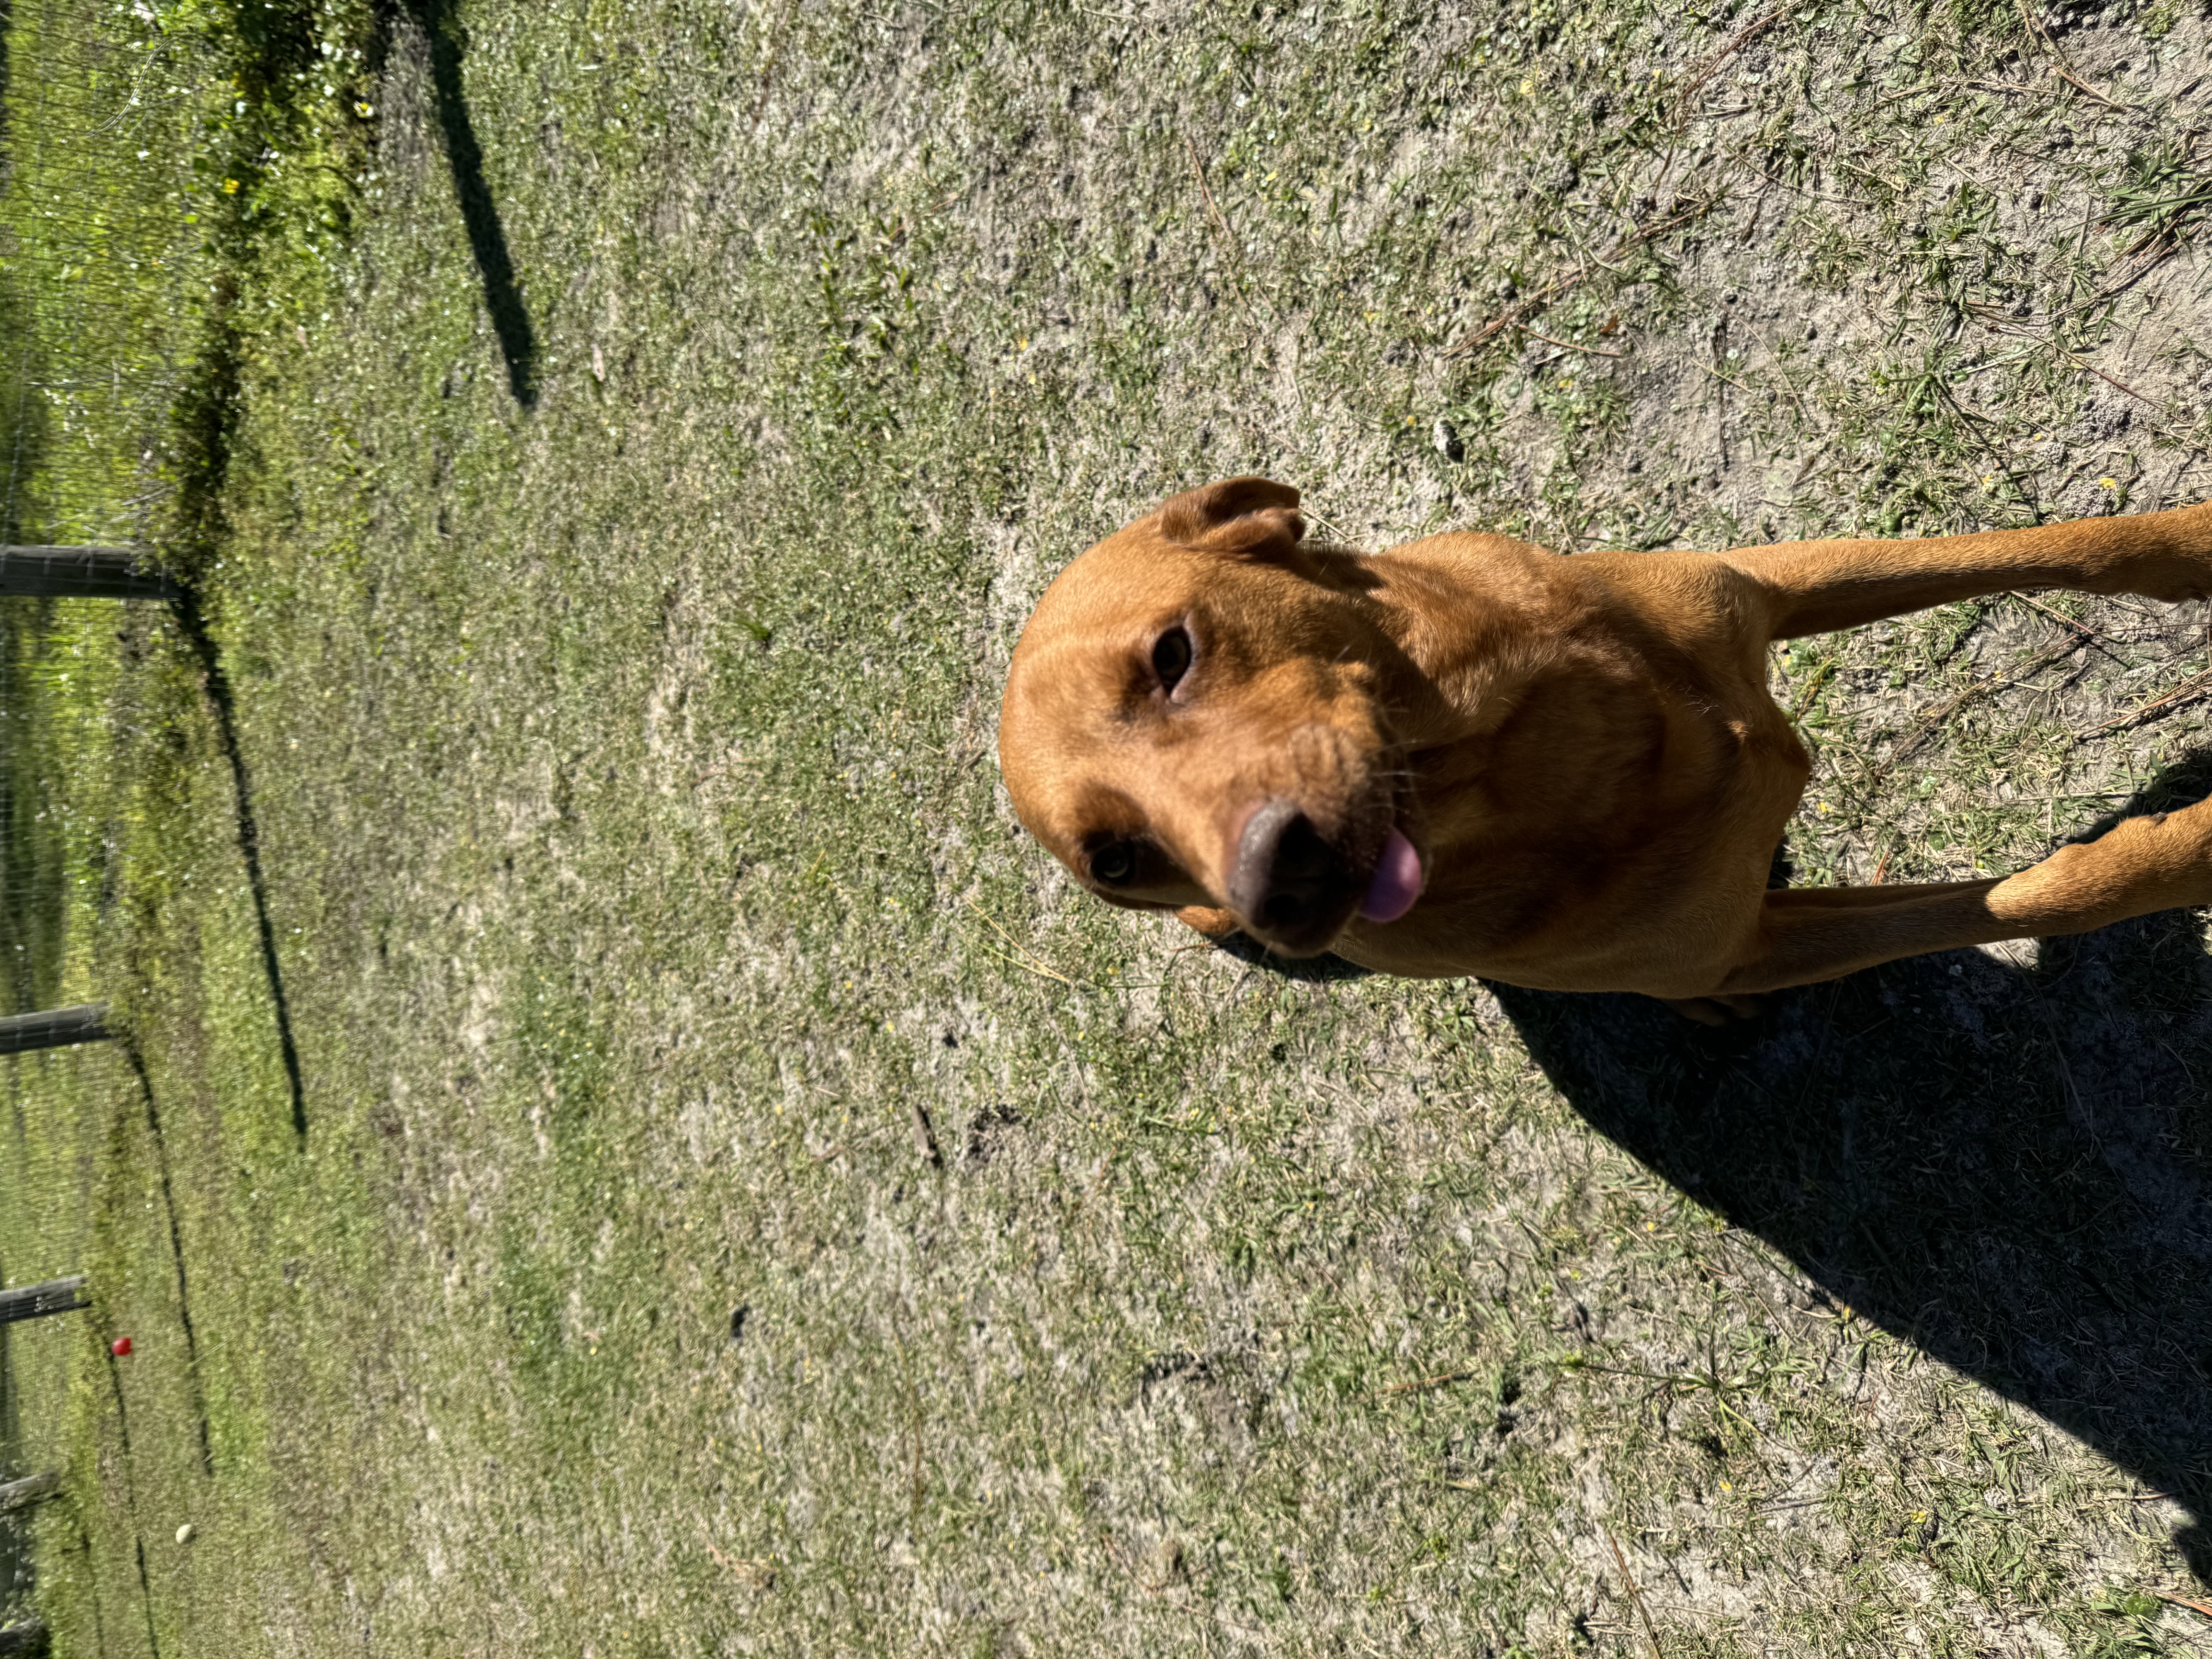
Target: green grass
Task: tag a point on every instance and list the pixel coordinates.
(646, 910)
(99, 259)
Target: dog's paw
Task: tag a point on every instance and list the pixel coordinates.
(1214, 924)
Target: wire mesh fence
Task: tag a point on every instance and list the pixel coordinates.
(101, 268)
(99, 240)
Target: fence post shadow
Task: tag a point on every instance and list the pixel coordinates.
(2009, 1167)
(192, 623)
(447, 41)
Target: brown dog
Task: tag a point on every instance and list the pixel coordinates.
(1469, 756)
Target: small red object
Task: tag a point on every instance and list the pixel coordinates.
(120, 1346)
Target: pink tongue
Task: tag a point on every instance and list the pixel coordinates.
(1396, 882)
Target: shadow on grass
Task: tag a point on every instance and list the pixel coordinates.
(447, 43)
(2009, 1167)
(193, 625)
(160, 1143)
(1312, 970)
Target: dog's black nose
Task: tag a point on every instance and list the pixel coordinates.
(1289, 885)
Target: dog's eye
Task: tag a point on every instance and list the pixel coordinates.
(1171, 657)
(1115, 864)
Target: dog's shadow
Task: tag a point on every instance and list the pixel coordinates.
(2007, 1162)
(1308, 971)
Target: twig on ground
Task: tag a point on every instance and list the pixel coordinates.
(2058, 66)
(1022, 957)
(1040, 971)
(1567, 345)
(2058, 616)
(1634, 1594)
(1751, 392)
(2189, 1601)
(1441, 1380)
(2151, 261)
(1736, 42)
(2083, 362)
(2084, 88)
(925, 1136)
(1220, 223)
(2080, 631)
(2190, 690)
(1933, 721)
(1334, 531)
(1515, 315)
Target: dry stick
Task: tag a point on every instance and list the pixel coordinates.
(1022, 958)
(2079, 85)
(2088, 635)
(1634, 1594)
(2058, 61)
(2196, 686)
(2193, 1605)
(1221, 223)
(925, 1137)
(2058, 616)
(1899, 97)
(1743, 38)
(1564, 345)
(1514, 316)
(1931, 723)
(1032, 968)
(1441, 1379)
(2083, 362)
(1679, 115)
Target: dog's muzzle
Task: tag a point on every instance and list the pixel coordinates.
(1290, 885)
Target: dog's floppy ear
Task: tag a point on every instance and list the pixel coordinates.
(1244, 518)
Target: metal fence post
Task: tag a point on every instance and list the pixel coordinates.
(56, 1296)
(54, 1028)
(82, 573)
(31, 1489)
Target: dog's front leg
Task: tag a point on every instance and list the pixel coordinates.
(1816, 587)
(2159, 862)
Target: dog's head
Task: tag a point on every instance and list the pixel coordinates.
(1194, 716)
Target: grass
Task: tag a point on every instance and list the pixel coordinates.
(98, 260)
(749, 1202)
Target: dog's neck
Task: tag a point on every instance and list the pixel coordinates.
(1471, 621)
